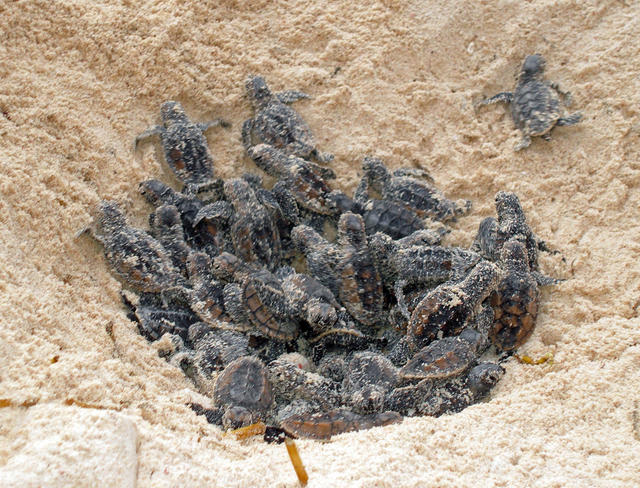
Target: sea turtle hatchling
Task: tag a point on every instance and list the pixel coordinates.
(411, 188)
(535, 103)
(254, 234)
(243, 391)
(277, 124)
(446, 310)
(445, 358)
(135, 255)
(202, 233)
(449, 395)
(185, 147)
(515, 301)
(368, 378)
(304, 179)
(259, 299)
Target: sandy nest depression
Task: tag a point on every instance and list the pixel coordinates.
(87, 401)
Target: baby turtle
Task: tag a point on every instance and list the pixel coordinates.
(446, 310)
(260, 300)
(215, 349)
(291, 382)
(204, 234)
(135, 255)
(277, 124)
(511, 223)
(308, 299)
(306, 180)
(207, 297)
(411, 189)
(535, 103)
(157, 315)
(243, 390)
(413, 261)
(185, 147)
(253, 231)
(515, 302)
(323, 426)
(369, 377)
(437, 397)
(360, 285)
(444, 358)
(166, 225)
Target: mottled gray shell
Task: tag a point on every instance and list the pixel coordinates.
(244, 383)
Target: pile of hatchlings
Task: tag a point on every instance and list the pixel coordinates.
(309, 310)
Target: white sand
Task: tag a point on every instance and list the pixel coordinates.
(79, 80)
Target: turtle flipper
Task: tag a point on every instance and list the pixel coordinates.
(502, 97)
(290, 96)
(569, 120)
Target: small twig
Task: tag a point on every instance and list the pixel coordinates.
(292, 449)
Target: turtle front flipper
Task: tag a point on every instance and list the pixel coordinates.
(569, 120)
(502, 97)
(157, 130)
(213, 123)
(290, 96)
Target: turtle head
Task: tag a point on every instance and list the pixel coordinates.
(375, 171)
(533, 67)
(167, 216)
(351, 229)
(483, 377)
(172, 113)
(154, 191)
(258, 91)
(239, 192)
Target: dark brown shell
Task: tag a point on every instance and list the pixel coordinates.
(516, 308)
(324, 425)
(244, 383)
(264, 300)
(443, 358)
(309, 189)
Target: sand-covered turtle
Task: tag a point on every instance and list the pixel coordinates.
(305, 180)
(215, 349)
(276, 123)
(292, 382)
(165, 225)
(260, 300)
(254, 234)
(157, 315)
(413, 260)
(446, 309)
(185, 147)
(243, 391)
(368, 378)
(136, 256)
(445, 358)
(449, 395)
(203, 234)
(309, 300)
(207, 295)
(322, 426)
(536, 104)
(409, 188)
